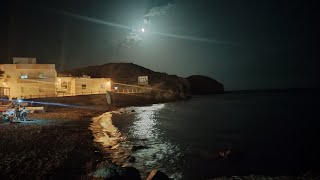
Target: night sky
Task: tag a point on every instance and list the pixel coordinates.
(243, 44)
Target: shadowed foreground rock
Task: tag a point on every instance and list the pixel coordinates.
(157, 175)
(201, 85)
(115, 172)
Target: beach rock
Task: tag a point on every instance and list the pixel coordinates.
(157, 175)
(116, 172)
(130, 173)
(101, 165)
(131, 159)
(133, 110)
(201, 85)
(137, 147)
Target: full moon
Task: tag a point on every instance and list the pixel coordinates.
(142, 29)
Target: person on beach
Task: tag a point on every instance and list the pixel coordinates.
(23, 114)
(17, 112)
(11, 117)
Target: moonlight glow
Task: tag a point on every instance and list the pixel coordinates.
(142, 29)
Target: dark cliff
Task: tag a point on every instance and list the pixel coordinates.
(201, 85)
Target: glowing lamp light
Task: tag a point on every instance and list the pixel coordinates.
(108, 83)
(19, 100)
(57, 83)
(4, 83)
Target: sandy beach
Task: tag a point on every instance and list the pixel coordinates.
(56, 143)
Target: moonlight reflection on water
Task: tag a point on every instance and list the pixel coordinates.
(144, 131)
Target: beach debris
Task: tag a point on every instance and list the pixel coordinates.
(137, 147)
(225, 154)
(157, 175)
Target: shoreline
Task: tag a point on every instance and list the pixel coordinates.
(59, 144)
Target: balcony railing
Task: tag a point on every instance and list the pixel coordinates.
(64, 94)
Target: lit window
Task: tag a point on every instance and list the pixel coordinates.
(24, 76)
(41, 75)
(103, 86)
(83, 86)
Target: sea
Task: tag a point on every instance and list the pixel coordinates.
(272, 133)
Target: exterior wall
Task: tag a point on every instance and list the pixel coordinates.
(24, 60)
(64, 85)
(38, 79)
(94, 85)
(4, 92)
(78, 86)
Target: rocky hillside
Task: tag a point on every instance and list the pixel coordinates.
(201, 85)
(127, 73)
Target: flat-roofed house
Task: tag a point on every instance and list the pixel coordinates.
(27, 79)
(82, 85)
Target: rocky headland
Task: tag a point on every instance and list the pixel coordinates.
(203, 85)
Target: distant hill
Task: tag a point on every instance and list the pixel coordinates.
(127, 73)
(200, 85)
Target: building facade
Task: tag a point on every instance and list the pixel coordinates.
(27, 80)
(82, 85)
(24, 60)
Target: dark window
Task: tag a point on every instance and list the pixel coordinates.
(64, 85)
(41, 75)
